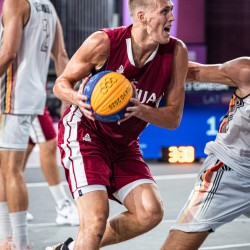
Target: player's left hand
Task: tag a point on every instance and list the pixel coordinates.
(134, 110)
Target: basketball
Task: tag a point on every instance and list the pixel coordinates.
(109, 95)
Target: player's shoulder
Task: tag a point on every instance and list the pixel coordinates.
(245, 70)
(177, 44)
(243, 61)
(118, 33)
(181, 44)
(98, 40)
(174, 46)
(238, 64)
(95, 48)
(99, 36)
(181, 49)
(245, 65)
(15, 6)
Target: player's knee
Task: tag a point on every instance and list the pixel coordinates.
(12, 173)
(49, 147)
(152, 213)
(157, 213)
(95, 223)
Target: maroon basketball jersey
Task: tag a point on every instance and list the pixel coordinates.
(151, 80)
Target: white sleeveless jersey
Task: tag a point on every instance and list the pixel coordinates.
(23, 88)
(232, 144)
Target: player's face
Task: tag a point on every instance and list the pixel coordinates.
(159, 21)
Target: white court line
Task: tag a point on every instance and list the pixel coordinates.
(226, 246)
(235, 220)
(50, 224)
(175, 176)
(157, 177)
(163, 221)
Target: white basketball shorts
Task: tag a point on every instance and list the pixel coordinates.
(219, 196)
(14, 131)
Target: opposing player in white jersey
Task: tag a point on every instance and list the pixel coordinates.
(30, 33)
(222, 189)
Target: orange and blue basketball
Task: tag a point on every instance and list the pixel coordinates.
(109, 95)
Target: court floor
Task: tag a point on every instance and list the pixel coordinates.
(174, 182)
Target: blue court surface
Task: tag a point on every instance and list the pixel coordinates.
(174, 182)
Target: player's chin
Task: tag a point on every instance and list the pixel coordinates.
(164, 41)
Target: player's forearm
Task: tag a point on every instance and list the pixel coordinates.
(60, 62)
(63, 90)
(6, 60)
(166, 117)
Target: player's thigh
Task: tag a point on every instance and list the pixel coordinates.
(135, 187)
(130, 172)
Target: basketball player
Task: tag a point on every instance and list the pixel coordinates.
(43, 133)
(222, 189)
(30, 32)
(103, 160)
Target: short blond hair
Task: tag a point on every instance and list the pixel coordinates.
(135, 4)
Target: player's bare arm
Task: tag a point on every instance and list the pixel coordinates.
(207, 73)
(60, 57)
(92, 54)
(238, 70)
(234, 73)
(169, 116)
(15, 15)
(58, 51)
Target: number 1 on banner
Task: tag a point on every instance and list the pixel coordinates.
(212, 123)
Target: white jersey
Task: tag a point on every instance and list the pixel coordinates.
(232, 144)
(23, 86)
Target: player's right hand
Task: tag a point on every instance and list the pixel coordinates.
(81, 101)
